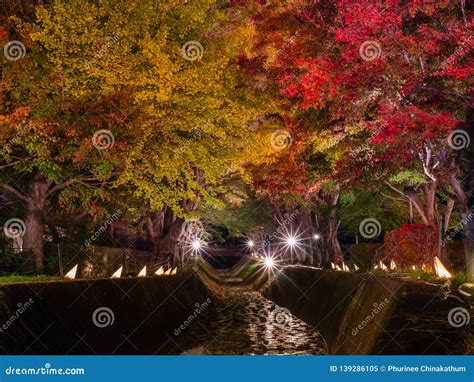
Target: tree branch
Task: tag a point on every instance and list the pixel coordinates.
(14, 192)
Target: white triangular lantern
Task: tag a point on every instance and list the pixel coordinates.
(71, 275)
(117, 273)
(142, 272)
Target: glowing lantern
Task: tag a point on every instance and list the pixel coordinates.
(332, 265)
(356, 267)
(382, 266)
(168, 272)
(173, 272)
(159, 271)
(338, 268)
(117, 273)
(71, 275)
(393, 265)
(345, 268)
(142, 272)
(440, 269)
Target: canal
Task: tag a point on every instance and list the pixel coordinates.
(244, 322)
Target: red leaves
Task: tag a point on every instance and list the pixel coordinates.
(315, 86)
(412, 125)
(411, 244)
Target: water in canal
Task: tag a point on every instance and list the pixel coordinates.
(244, 322)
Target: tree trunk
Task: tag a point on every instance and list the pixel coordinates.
(34, 222)
(155, 229)
(327, 247)
(469, 184)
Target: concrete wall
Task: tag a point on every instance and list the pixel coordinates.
(365, 314)
(57, 317)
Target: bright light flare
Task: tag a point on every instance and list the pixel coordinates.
(316, 236)
(291, 241)
(269, 262)
(196, 246)
(250, 243)
(440, 269)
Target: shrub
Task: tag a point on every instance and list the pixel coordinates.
(412, 244)
(364, 254)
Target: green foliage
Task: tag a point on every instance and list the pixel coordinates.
(411, 176)
(26, 279)
(251, 216)
(355, 206)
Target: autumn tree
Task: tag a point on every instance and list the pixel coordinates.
(124, 94)
(394, 80)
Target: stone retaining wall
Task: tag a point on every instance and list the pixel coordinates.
(366, 314)
(133, 315)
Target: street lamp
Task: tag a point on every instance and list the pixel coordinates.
(269, 263)
(291, 241)
(197, 244)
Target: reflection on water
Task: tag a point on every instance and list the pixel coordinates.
(247, 323)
